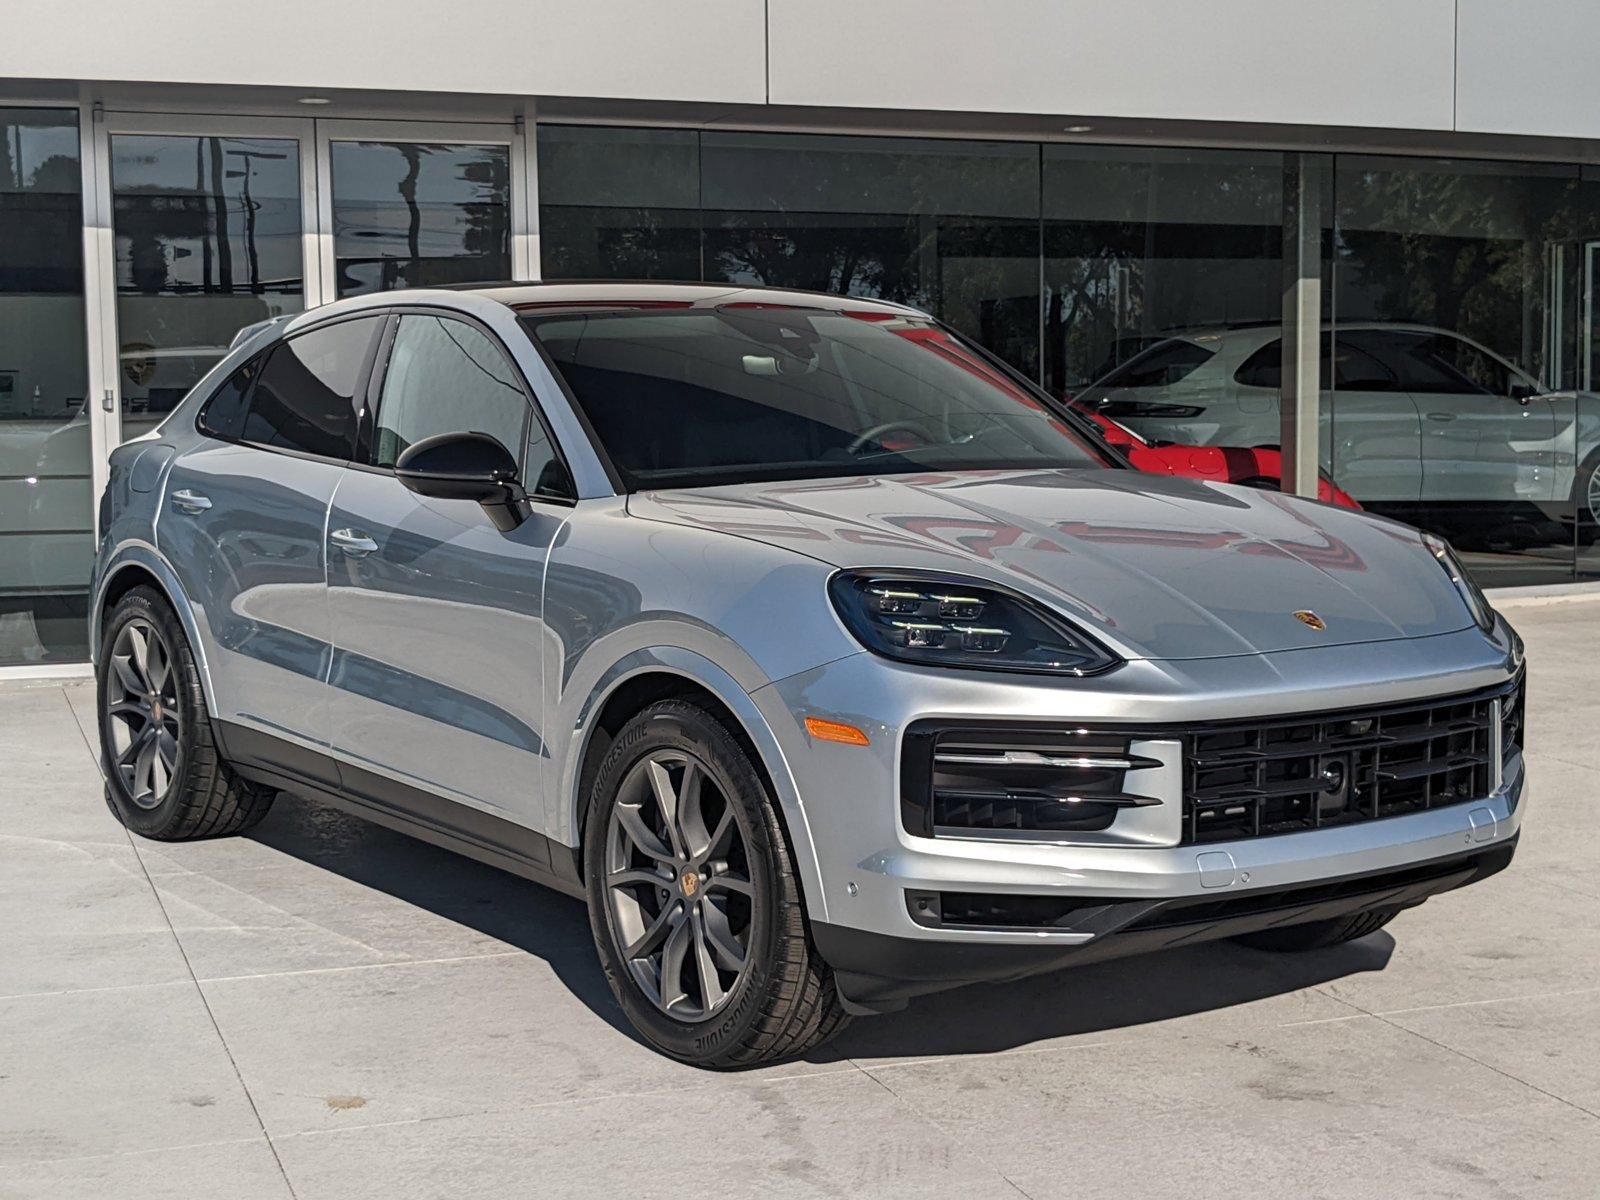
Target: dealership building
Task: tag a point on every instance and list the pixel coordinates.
(1368, 233)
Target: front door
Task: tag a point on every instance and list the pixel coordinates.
(437, 676)
(1487, 436)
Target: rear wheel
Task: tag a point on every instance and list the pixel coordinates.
(1319, 935)
(694, 901)
(1586, 500)
(164, 776)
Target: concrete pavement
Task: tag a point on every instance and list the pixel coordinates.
(327, 1009)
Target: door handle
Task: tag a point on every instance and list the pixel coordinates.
(352, 543)
(1441, 416)
(189, 502)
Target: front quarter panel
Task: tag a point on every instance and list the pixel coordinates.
(625, 595)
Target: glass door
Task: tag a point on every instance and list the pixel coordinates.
(416, 204)
(46, 419)
(208, 235)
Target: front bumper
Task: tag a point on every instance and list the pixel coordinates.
(867, 871)
(878, 973)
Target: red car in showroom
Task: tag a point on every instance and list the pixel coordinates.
(1250, 466)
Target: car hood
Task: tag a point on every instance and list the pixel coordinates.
(1157, 568)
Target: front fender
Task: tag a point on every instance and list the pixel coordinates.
(720, 682)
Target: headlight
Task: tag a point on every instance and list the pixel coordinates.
(1477, 603)
(955, 623)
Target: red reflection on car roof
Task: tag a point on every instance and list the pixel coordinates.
(558, 305)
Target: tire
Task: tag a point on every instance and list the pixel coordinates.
(695, 893)
(1319, 935)
(182, 790)
(1586, 500)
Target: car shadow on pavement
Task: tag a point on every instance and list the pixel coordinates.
(1099, 998)
(525, 916)
(1108, 996)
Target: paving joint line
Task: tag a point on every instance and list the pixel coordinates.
(1361, 1013)
(188, 966)
(1470, 1058)
(517, 1107)
(223, 1041)
(901, 1103)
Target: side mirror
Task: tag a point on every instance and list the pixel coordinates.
(466, 466)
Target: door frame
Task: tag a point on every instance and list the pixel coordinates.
(314, 137)
(105, 339)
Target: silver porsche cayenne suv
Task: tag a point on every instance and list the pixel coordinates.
(828, 659)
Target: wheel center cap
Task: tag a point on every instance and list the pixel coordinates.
(690, 883)
(155, 710)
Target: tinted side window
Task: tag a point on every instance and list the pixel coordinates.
(223, 415)
(1166, 362)
(304, 399)
(1429, 363)
(1357, 369)
(1484, 373)
(446, 376)
(1264, 368)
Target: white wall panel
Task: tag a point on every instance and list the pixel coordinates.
(1355, 62)
(655, 49)
(1528, 66)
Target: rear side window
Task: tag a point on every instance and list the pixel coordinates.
(304, 398)
(1264, 368)
(223, 415)
(1166, 362)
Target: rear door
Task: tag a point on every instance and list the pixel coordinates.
(243, 522)
(437, 678)
(1370, 440)
(1373, 430)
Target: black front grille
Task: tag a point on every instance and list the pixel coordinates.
(1241, 779)
(1251, 779)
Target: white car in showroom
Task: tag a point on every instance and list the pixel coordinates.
(1411, 412)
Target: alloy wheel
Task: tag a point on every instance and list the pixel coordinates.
(1592, 494)
(678, 886)
(142, 716)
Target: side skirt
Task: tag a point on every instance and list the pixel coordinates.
(265, 759)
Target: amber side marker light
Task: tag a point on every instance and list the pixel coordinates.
(836, 731)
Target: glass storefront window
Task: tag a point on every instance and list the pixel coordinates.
(619, 203)
(1146, 245)
(207, 240)
(46, 518)
(1447, 276)
(414, 214)
(947, 226)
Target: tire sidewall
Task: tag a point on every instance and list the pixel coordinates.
(682, 727)
(1585, 517)
(141, 603)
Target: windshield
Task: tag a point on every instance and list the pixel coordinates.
(745, 393)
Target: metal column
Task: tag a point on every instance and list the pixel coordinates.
(1305, 185)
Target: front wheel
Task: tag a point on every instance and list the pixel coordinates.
(694, 901)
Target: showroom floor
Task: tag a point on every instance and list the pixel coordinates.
(326, 1009)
